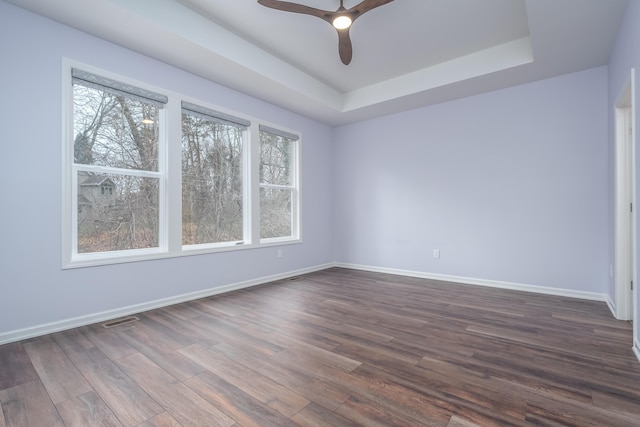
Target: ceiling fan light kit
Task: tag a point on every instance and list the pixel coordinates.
(342, 22)
(341, 19)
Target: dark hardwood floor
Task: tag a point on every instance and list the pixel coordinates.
(334, 348)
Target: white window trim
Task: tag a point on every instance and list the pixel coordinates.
(170, 183)
(295, 196)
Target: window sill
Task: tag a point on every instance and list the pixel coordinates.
(137, 255)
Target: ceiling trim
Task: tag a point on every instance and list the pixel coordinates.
(557, 43)
(498, 58)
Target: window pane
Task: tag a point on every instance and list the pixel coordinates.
(211, 181)
(116, 212)
(114, 130)
(275, 159)
(275, 213)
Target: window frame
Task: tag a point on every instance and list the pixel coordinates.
(294, 185)
(187, 108)
(169, 174)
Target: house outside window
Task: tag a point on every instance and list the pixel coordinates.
(115, 145)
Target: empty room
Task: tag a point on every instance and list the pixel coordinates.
(319, 213)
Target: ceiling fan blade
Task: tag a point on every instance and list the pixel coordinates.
(345, 49)
(366, 6)
(298, 8)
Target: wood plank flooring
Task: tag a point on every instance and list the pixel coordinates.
(334, 348)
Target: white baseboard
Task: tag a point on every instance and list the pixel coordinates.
(49, 328)
(76, 322)
(612, 306)
(636, 350)
(592, 296)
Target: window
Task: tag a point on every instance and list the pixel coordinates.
(149, 174)
(212, 178)
(115, 146)
(278, 196)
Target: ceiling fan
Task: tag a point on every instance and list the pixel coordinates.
(341, 19)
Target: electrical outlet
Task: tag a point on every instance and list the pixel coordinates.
(436, 253)
(279, 253)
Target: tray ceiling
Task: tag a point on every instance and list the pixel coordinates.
(407, 53)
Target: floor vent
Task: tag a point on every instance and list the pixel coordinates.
(119, 322)
(291, 279)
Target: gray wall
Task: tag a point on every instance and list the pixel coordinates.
(510, 186)
(35, 290)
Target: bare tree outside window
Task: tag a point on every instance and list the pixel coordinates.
(212, 202)
(115, 134)
(276, 186)
(123, 175)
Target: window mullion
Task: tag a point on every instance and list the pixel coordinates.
(277, 186)
(297, 191)
(69, 184)
(252, 209)
(74, 210)
(173, 179)
(117, 171)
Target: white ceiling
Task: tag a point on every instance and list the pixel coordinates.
(407, 53)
